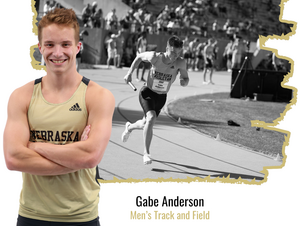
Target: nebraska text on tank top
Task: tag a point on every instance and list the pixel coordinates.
(70, 197)
(161, 75)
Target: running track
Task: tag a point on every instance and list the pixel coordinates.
(178, 152)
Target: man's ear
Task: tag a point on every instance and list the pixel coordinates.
(40, 47)
(78, 47)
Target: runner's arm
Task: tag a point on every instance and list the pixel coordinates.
(205, 54)
(16, 136)
(184, 77)
(85, 154)
(145, 56)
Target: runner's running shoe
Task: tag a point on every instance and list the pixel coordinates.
(126, 133)
(147, 159)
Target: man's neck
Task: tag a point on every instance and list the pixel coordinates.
(58, 81)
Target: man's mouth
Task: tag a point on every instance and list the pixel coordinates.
(57, 61)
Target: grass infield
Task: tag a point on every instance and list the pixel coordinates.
(210, 113)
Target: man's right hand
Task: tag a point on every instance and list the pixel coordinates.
(128, 78)
(85, 133)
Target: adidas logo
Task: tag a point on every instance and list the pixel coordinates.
(75, 107)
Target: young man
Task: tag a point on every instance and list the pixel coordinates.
(120, 40)
(111, 50)
(193, 50)
(79, 54)
(238, 50)
(208, 55)
(153, 96)
(57, 130)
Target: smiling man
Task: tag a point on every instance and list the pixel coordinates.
(57, 130)
(165, 67)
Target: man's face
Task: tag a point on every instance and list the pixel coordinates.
(173, 52)
(58, 48)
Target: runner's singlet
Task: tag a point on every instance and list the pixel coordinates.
(70, 197)
(161, 75)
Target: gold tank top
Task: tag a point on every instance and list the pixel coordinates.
(70, 197)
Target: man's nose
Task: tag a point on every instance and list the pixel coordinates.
(57, 51)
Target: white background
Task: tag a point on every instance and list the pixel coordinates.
(272, 203)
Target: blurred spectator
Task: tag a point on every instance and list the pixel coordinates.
(163, 18)
(149, 22)
(47, 7)
(141, 46)
(172, 14)
(111, 20)
(173, 26)
(98, 19)
(93, 13)
(195, 26)
(231, 31)
(238, 50)
(139, 16)
(222, 11)
(87, 16)
(204, 29)
(199, 65)
(127, 20)
(227, 24)
(242, 26)
(215, 28)
(120, 40)
(193, 50)
(227, 55)
(137, 4)
(186, 50)
(54, 4)
(79, 54)
(94, 7)
(111, 50)
(57, 5)
(209, 58)
(186, 24)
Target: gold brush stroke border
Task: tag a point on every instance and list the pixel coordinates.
(256, 123)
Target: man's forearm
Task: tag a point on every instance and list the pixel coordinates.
(75, 156)
(28, 161)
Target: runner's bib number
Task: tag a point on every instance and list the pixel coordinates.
(160, 85)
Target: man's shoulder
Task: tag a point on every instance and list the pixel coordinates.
(95, 89)
(180, 62)
(98, 95)
(25, 89)
(23, 94)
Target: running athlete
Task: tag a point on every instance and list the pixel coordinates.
(153, 96)
(57, 130)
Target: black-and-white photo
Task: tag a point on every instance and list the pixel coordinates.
(196, 95)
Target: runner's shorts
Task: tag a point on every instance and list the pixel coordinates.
(209, 63)
(151, 101)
